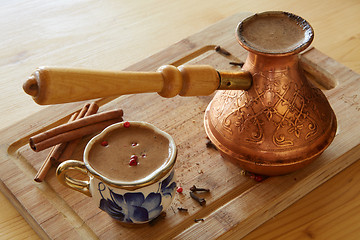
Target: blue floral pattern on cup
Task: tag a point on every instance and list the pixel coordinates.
(167, 187)
(134, 207)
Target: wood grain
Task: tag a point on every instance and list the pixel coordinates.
(89, 43)
(230, 210)
(326, 211)
(53, 85)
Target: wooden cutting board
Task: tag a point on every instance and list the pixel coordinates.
(236, 204)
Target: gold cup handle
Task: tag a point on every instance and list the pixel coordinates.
(78, 185)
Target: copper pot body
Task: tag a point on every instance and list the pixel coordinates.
(281, 124)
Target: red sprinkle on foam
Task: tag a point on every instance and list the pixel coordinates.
(126, 124)
(179, 189)
(104, 143)
(133, 162)
(134, 157)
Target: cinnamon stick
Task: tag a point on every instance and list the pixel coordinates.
(56, 150)
(75, 129)
(70, 147)
(64, 148)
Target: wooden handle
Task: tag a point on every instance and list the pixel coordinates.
(49, 85)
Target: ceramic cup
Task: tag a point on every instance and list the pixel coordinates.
(130, 202)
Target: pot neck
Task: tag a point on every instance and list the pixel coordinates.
(258, 62)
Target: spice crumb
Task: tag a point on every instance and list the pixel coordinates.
(209, 144)
(222, 51)
(182, 209)
(199, 220)
(240, 64)
(254, 176)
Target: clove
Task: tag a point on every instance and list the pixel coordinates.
(209, 144)
(182, 209)
(222, 51)
(196, 189)
(200, 200)
(199, 220)
(240, 64)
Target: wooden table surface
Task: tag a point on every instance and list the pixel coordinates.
(114, 34)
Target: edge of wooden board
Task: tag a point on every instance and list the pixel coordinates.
(306, 180)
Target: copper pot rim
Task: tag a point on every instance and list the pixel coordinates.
(270, 170)
(308, 34)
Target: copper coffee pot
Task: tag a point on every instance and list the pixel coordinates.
(282, 122)
(268, 118)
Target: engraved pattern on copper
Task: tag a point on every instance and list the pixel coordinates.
(282, 104)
